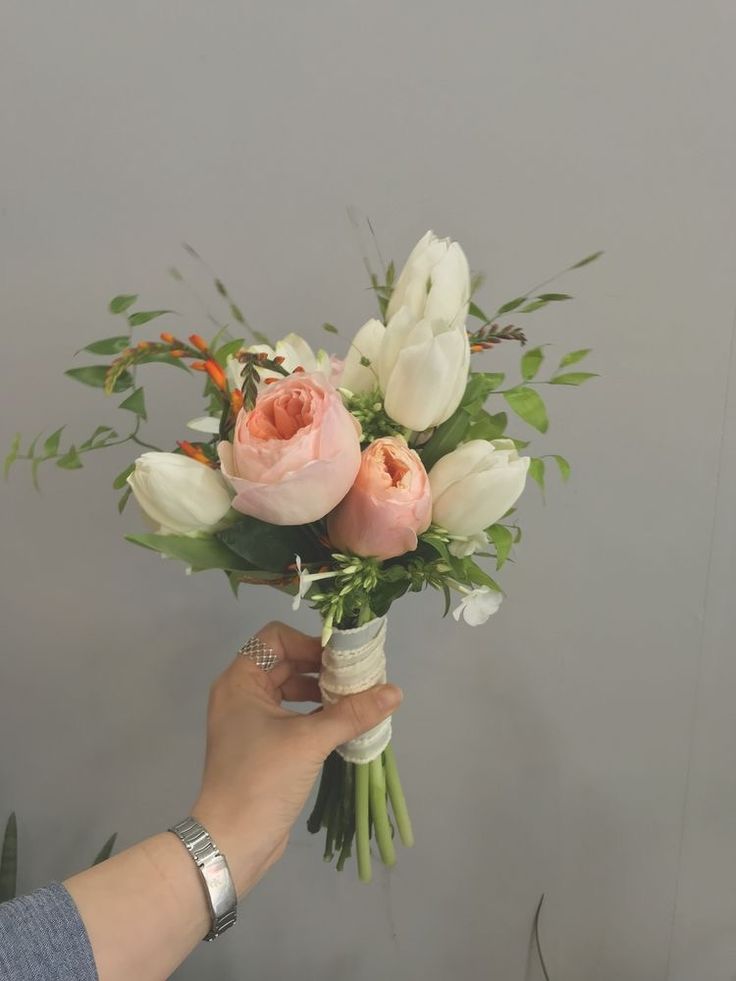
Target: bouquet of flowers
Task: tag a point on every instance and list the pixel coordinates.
(346, 483)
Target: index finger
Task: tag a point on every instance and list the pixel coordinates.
(292, 645)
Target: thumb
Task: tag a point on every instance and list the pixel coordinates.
(355, 714)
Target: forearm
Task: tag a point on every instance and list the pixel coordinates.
(144, 910)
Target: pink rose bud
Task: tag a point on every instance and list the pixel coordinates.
(295, 455)
(388, 505)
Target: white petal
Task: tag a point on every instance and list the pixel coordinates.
(205, 424)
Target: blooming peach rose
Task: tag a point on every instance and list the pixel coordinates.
(295, 455)
(388, 505)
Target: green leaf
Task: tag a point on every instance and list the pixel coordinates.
(12, 455)
(487, 426)
(565, 468)
(511, 305)
(9, 860)
(479, 387)
(390, 273)
(51, 446)
(528, 404)
(574, 356)
(104, 853)
(572, 378)
(271, 547)
(111, 345)
(536, 470)
(445, 438)
(94, 375)
(588, 259)
(475, 311)
(330, 328)
(122, 478)
(199, 553)
(144, 316)
(135, 403)
(119, 304)
(108, 432)
(448, 598)
(503, 539)
(479, 577)
(70, 460)
(124, 498)
(534, 305)
(228, 350)
(531, 362)
(553, 297)
(162, 359)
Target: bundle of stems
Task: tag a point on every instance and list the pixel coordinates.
(352, 806)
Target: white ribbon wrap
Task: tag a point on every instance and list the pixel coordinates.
(353, 661)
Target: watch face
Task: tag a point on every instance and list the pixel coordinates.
(220, 884)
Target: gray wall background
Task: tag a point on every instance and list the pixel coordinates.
(583, 743)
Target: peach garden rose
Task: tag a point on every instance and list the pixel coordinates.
(388, 505)
(295, 455)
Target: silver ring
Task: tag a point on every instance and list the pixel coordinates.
(259, 653)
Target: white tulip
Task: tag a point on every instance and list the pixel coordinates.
(366, 346)
(179, 494)
(477, 605)
(475, 485)
(425, 355)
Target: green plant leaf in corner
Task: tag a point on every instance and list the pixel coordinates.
(106, 851)
(138, 319)
(135, 403)
(119, 304)
(9, 860)
(564, 466)
(198, 553)
(529, 406)
(95, 374)
(573, 357)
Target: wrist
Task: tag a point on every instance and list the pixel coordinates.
(249, 852)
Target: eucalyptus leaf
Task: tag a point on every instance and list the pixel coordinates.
(119, 304)
(135, 403)
(528, 405)
(573, 378)
(106, 851)
(9, 860)
(95, 374)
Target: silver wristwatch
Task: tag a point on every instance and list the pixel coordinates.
(215, 872)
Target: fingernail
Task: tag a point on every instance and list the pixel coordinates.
(389, 696)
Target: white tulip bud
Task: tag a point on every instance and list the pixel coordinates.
(179, 494)
(357, 376)
(425, 355)
(475, 485)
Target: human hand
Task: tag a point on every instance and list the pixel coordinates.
(262, 759)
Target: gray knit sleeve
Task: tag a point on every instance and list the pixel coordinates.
(42, 938)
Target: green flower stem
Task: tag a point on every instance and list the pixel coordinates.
(362, 811)
(348, 802)
(314, 822)
(381, 824)
(396, 796)
(332, 818)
